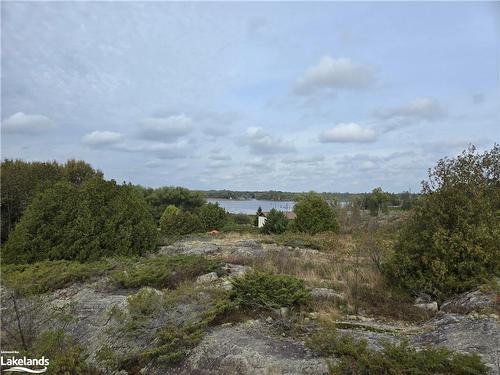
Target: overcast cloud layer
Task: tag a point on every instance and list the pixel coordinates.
(292, 96)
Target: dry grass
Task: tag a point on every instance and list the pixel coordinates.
(342, 264)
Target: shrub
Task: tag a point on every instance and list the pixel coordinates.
(162, 272)
(258, 290)
(47, 276)
(450, 243)
(178, 222)
(356, 358)
(144, 303)
(276, 222)
(84, 223)
(22, 180)
(239, 228)
(212, 216)
(65, 355)
(314, 215)
(241, 218)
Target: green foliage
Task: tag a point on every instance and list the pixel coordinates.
(212, 216)
(450, 243)
(179, 222)
(84, 223)
(258, 290)
(159, 199)
(276, 222)
(376, 202)
(65, 355)
(144, 303)
(162, 272)
(47, 276)
(21, 181)
(356, 358)
(314, 214)
(239, 228)
(241, 218)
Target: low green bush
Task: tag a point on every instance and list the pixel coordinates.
(239, 228)
(259, 290)
(48, 275)
(145, 303)
(125, 272)
(65, 355)
(241, 218)
(162, 272)
(356, 358)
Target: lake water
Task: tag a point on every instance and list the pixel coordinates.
(250, 206)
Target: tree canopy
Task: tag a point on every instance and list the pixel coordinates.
(276, 222)
(212, 216)
(314, 214)
(22, 180)
(87, 222)
(450, 243)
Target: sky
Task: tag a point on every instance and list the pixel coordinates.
(251, 96)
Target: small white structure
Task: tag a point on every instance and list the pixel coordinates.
(261, 220)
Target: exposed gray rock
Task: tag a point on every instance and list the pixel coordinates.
(470, 301)
(431, 306)
(236, 270)
(326, 294)
(465, 334)
(246, 349)
(207, 278)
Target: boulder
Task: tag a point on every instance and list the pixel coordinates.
(207, 278)
(326, 294)
(431, 306)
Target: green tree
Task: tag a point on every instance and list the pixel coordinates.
(175, 221)
(22, 180)
(314, 214)
(276, 222)
(87, 222)
(450, 243)
(212, 216)
(376, 202)
(183, 198)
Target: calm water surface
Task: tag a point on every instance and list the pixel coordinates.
(250, 206)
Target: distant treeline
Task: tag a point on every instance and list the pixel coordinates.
(394, 199)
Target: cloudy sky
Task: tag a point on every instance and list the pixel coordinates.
(251, 96)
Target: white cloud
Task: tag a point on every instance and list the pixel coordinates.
(165, 128)
(427, 109)
(98, 138)
(27, 124)
(348, 132)
(329, 73)
(262, 143)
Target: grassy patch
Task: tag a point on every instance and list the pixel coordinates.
(356, 358)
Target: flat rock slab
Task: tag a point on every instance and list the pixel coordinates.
(465, 334)
(245, 349)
